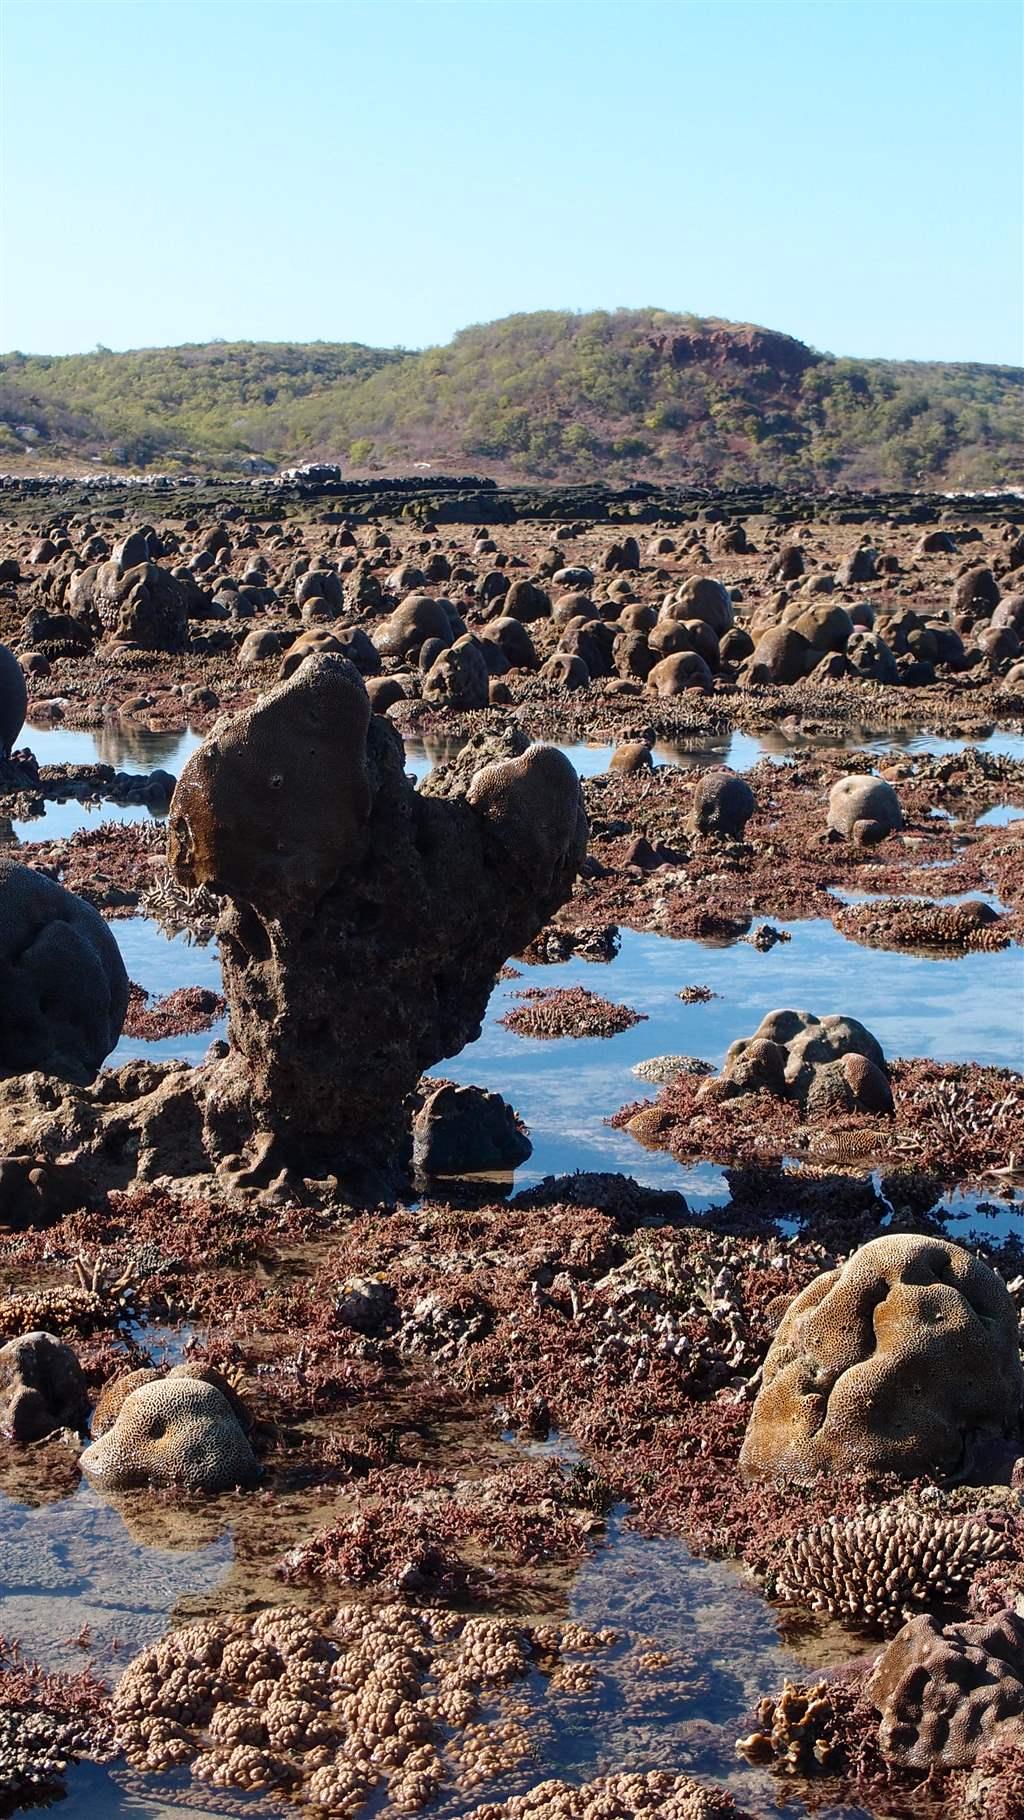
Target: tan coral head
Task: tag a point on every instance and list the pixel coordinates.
(176, 1432)
(903, 1360)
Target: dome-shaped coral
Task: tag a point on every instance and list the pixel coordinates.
(903, 1360)
(179, 1431)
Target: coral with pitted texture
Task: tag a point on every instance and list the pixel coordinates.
(177, 1431)
(904, 1359)
(874, 1568)
(366, 920)
(947, 1694)
(13, 700)
(63, 985)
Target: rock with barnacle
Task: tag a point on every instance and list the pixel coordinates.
(947, 1694)
(13, 700)
(366, 920)
(863, 809)
(177, 1432)
(874, 1568)
(63, 985)
(904, 1359)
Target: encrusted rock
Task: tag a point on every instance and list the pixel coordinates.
(42, 1387)
(367, 919)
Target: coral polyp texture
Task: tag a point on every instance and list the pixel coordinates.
(177, 1431)
(904, 1359)
(365, 921)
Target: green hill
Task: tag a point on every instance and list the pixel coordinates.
(602, 395)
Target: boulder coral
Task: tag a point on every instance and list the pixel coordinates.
(863, 809)
(828, 1064)
(365, 920)
(946, 1695)
(63, 985)
(178, 1431)
(13, 700)
(904, 1359)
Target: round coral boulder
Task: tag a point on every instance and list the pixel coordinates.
(903, 1360)
(13, 700)
(63, 985)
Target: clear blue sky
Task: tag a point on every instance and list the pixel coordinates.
(389, 171)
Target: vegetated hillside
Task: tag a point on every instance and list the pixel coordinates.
(602, 395)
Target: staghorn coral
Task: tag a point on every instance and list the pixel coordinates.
(946, 1694)
(188, 1009)
(362, 931)
(905, 1360)
(874, 1568)
(971, 928)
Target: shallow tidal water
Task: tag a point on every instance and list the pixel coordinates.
(74, 1560)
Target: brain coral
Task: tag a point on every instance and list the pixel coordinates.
(63, 985)
(904, 1360)
(177, 1432)
(947, 1694)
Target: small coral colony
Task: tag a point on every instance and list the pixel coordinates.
(290, 1293)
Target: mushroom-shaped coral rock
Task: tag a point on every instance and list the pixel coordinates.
(864, 809)
(178, 1431)
(904, 1359)
(945, 1695)
(13, 700)
(63, 985)
(365, 920)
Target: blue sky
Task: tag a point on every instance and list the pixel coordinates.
(389, 171)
